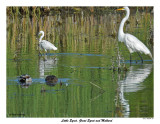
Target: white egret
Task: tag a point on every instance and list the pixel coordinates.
(132, 43)
(46, 45)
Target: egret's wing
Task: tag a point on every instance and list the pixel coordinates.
(48, 46)
(135, 44)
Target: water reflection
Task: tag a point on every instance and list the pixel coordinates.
(46, 64)
(132, 83)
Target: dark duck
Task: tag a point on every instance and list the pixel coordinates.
(51, 80)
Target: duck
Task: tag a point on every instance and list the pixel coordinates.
(51, 80)
(25, 80)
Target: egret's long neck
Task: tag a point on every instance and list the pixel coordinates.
(40, 39)
(120, 32)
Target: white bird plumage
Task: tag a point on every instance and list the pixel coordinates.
(132, 43)
(46, 45)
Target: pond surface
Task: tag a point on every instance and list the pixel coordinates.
(87, 50)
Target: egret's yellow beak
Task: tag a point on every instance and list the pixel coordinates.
(120, 9)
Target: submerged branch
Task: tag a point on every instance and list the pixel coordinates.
(100, 93)
(96, 86)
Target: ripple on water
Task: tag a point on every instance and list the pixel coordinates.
(71, 54)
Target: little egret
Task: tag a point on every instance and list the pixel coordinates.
(46, 45)
(132, 43)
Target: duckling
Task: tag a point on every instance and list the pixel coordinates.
(51, 80)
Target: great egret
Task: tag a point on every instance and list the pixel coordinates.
(46, 45)
(132, 43)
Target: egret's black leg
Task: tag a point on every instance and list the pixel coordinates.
(130, 59)
(49, 52)
(140, 56)
(44, 58)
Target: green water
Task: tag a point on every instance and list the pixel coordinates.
(87, 49)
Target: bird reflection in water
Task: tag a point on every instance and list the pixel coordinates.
(46, 66)
(131, 83)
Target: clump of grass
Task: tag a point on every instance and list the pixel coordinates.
(118, 63)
